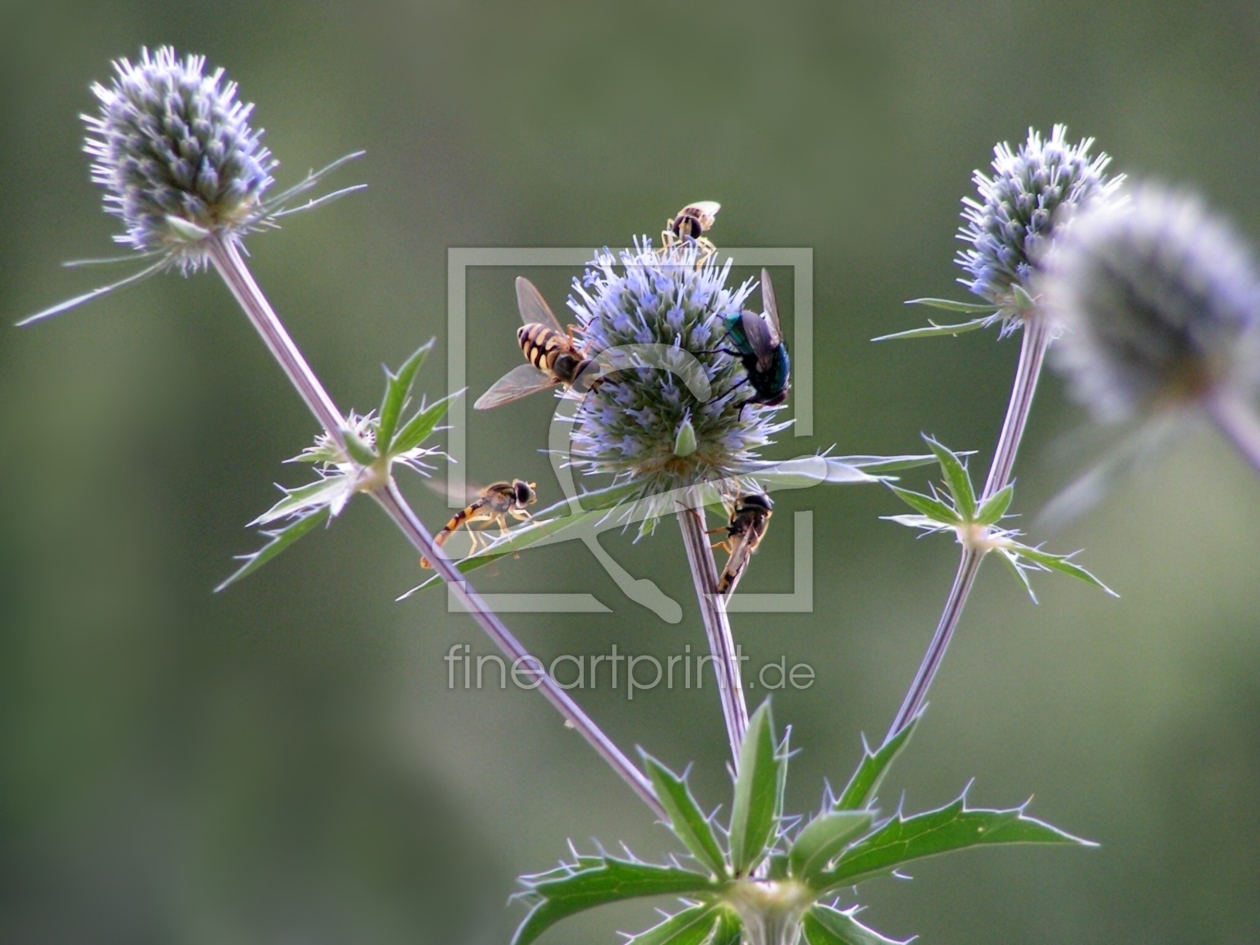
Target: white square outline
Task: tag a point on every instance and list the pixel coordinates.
(801, 259)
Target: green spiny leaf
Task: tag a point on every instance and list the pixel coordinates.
(281, 539)
(824, 925)
(1023, 301)
(956, 478)
(594, 501)
(1061, 563)
(953, 827)
(397, 387)
(934, 330)
(877, 465)
(759, 785)
(821, 840)
(311, 495)
(1021, 574)
(934, 509)
(871, 770)
(729, 930)
(419, 427)
(359, 451)
(950, 305)
(691, 926)
(686, 819)
(994, 507)
(595, 881)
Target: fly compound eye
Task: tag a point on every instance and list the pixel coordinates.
(524, 494)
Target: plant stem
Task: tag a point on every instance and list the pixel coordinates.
(1238, 422)
(227, 260)
(717, 626)
(1032, 354)
(392, 501)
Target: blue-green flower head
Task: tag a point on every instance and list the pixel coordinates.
(175, 150)
(1160, 305)
(1032, 194)
(659, 316)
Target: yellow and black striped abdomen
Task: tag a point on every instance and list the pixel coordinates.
(542, 345)
(458, 519)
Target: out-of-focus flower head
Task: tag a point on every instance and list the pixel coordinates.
(1160, 303)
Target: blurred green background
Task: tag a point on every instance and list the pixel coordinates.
(284, 763)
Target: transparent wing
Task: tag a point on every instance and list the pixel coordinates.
(534, 309)
(735, 564)
(760, 339)
(517, 383)
(707, 207)
(469, 494)
(772, 308)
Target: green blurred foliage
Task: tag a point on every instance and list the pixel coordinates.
(284, 762)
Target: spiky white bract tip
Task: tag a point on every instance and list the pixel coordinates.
(173, 147)
(341, 477)
(645, 423)
(1160, 302)
(1030, 198)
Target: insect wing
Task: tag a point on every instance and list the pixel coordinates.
(741, 551)
(707, 210)
(772, 308)
(760, 340)
(534, 308)
(517, 383)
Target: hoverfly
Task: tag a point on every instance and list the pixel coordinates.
(494, 503)
(758, 341)
(690, 224)
(552, 353)
(749, 521)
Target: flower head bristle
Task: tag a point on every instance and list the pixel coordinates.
(1029, 197)
(174, 148)
(1160, 301)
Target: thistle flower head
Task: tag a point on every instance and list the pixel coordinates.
(1029, 197)
(1160, 301)
(174, 148)
(675, 412)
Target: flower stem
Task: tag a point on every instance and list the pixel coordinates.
(1239, 423)
(392, 501)
(227, 260)
(717, 626)
(1032, 355)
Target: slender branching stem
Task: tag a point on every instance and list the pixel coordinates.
(1238, 421)
(392, 501)
(227, 260)
(1032, 355)
(717, 626)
